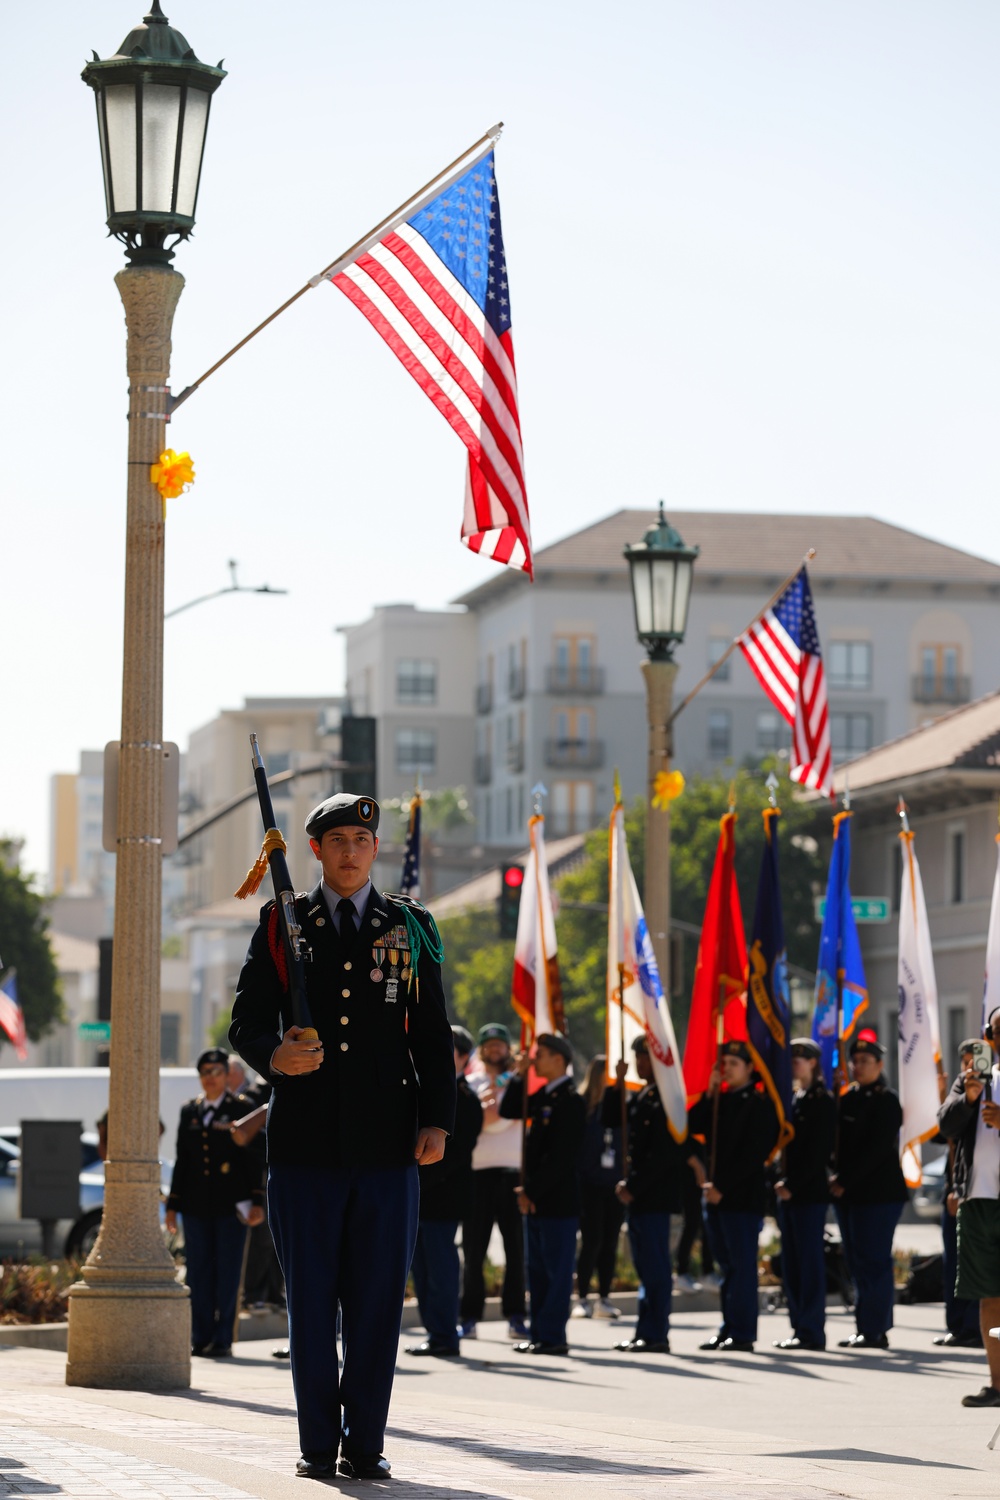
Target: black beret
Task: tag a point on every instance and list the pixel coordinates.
(462, 1040)
(342, 810)
(213, 1055)
(804, 1046)
(737, 1049)
(869, 1045)
(555, 1043)
(640, 1044)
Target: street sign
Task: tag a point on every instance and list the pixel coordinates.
(94, 1031)
(865, 908)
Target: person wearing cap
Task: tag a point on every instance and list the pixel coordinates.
(803, 1196)
(970, 1116)
(496, 1172)
(651, 1192)
(445, 1190)
(218, 1189)
(869, 1189)
(740, 1130)
(351, 1118)
(549, 1195)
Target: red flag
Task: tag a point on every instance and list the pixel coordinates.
(720, 974)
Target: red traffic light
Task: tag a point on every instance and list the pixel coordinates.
(513, 876)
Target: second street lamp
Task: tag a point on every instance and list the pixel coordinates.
(660, 570)
(129, 1318)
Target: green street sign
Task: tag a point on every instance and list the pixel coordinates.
(94, 1031)
(865, 908)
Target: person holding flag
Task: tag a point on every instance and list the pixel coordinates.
(768, 1003)
(841, 993)
(803, 1197)
(718, 1002)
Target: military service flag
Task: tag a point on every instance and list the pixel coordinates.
(919, 1029)
(841, 993)
(537, 988)
(720, 975)
(768, 1004)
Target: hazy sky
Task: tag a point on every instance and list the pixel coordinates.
(753, 263)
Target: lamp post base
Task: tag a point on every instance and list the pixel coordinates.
(133, 1338)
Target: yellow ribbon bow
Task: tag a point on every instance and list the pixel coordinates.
(172, 475)
(667, 786)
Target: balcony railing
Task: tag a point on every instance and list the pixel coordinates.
(484, 698)
(574, 679)
(926, 689)
(581, 755)
(483, 769)
(515, 757)
(516, 682)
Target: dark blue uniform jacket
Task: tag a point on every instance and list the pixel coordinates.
(552, 1146)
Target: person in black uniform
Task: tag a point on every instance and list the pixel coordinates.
(350, 1119)
(445, 1191)
(803, 1195)
(651, 1192)
(549, 1196)
(601, 1211)
(736, 1194)
(218, 1189)
(869, 1189)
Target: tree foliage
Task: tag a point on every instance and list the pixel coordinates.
(24, 946)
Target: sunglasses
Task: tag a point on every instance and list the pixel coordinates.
(211, 1072)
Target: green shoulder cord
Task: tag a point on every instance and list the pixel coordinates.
(420, 939)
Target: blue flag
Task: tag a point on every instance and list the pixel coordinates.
(410, 882)
(768, 1006)
(839, 957)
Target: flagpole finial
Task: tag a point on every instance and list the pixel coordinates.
(846, 799)
(538, 791)
(772, 789)
(732, 795)
(903, 818)
(618, 786)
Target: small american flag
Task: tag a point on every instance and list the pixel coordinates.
(435, 288)
(12, 1016)
(410, 883)
(782, 647)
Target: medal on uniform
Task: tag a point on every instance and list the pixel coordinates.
(391, 986)
(378, 958)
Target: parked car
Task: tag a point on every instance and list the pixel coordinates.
(928, 1198)
(21, 1237)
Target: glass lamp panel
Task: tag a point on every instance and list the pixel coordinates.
(195, 122)
(663, 596)
(119, 102)
(105, 167)
(642, 595)
(161, 107)
(682, 593)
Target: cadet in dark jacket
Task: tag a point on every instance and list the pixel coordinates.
(736, 1194)
(803, 1195)
(348, 1123)
(961, 1314)
(549, 1196)
(651, 1192)
(212, 1175)
(445, 1194)
(869, 1190)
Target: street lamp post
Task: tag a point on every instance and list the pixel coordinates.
(129, 1318)
(660, 568)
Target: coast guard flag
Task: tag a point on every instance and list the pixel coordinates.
(991, 984)
(12, 1016)
(644, 1004)
(839, 954)
(410, 883)
(435, 287)
(768, 1004)
(782, 648)
(720, 976)
(537, 988)
(919, 1031)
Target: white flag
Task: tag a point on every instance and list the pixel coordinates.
(645, 1011)
(991, 986)
(537, 989)
(919, 1031)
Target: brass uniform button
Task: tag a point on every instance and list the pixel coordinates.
(346, 994)
(343, 1046)
(348, 964)
(344, 1020)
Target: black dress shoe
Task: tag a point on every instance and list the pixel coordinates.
(317, 1468)
(199, 1349)
(797, 1343)
(735, 1346)
(281, 1352)
(219, 1351)
(535, 1347)
(441, 1351)
(988, 1396)
(715, 1342)
(945, 1340)
(364, 1466)
(649, 1346)
(865, 1341)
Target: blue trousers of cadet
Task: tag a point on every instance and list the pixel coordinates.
(649, 1236)
(803, 1268)
(550, 1244)
(435, 1279)
(213, 1251)
(734, 1239)
(343, 1235)
(867, 1230)
(961, 1314)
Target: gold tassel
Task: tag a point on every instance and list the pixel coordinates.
(272, 840)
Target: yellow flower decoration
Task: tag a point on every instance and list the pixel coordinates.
(667, 787)
(172, 475)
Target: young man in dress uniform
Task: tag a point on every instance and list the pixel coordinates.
(218, 1189)
(350, 1119)
(803, 1194)
(869, 1189)
(737, 1194)
(651, 1192)
(549, 1196)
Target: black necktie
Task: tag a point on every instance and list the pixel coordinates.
(348, 919)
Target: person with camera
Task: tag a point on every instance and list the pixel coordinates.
(970, 1116)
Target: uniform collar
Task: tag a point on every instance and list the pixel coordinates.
(359, 900)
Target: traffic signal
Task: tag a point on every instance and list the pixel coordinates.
(511, 881)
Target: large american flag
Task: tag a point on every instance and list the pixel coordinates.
(410, 883)
(782, 647)
(12, 1016)
(435, 288)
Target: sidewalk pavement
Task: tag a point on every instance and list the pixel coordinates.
(501, 1426)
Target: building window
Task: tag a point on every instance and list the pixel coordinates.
(957, 1034)
(938, 680)
(571, 809)
(416, 681)
(416, 750)
(509, 799)
(849, 665)
(170, 1039)
(956, 866)
(717, 648)
(850, 735)
(773, 733)
(719, 733)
